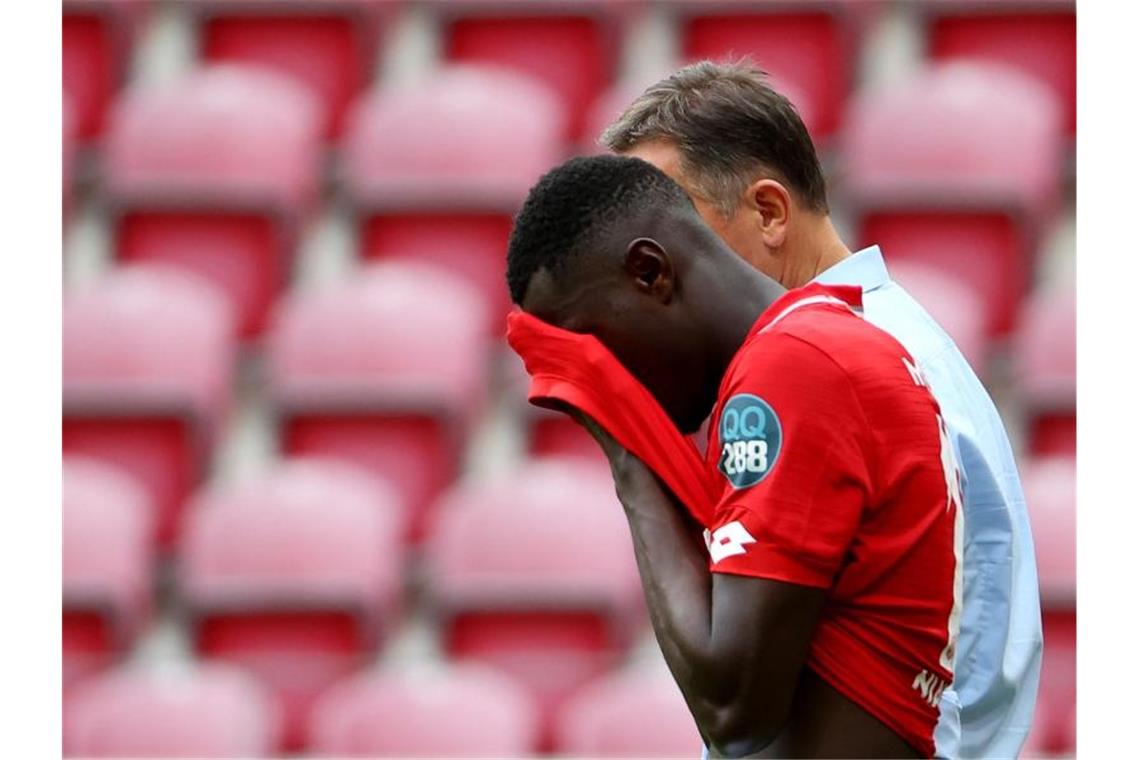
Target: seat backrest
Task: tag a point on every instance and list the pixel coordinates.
(107, 539)
(222, 134)
(1046, 348)
(634, 713)
(402, 332)
(460, 709)
(550, 533)
(205, 711)
(307, 532)
(148, 333)
(963, 132)
(1051, 496)
(472, 136)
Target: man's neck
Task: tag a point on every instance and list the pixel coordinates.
(812, 250)
(742, 295)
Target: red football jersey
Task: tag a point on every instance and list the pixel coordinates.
(836, 472)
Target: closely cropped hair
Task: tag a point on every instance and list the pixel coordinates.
(728, 124)
(573, 205)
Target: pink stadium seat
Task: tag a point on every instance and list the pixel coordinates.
(1051, 495)
(628, 714)
(330, 46)
(463, 710)
(1046, 370)
(385, 371)
(97, 41)
(573, 47)
(954, 306)
(293, 575)
(206, 711)
(809, 48)
(956, 168)
(534, 574)
(215, 174)
(1037, 36)
(107, 551)
(147, 357)
(437, 170)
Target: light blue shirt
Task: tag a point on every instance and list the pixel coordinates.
(989, 708)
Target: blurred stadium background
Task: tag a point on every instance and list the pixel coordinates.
(306, 509)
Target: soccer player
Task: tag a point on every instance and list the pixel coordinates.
(818, 618)
(741, 152)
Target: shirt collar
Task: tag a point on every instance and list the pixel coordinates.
(812, 293)
(864, 268)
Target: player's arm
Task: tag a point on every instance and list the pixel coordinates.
(735, 644)
(735, 632)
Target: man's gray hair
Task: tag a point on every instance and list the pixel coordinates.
(729, 126)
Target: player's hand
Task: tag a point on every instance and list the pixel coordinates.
(628, 470)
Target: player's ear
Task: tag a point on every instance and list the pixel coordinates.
(771, 205)
(651, 269)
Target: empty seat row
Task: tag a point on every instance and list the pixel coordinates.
(297, 575)
(574, 47)
(464, 710)
(957, 169)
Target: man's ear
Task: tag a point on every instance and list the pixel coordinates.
(651, 269)
(771, 204)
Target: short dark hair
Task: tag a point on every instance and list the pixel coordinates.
(728, 124)
(573, 205)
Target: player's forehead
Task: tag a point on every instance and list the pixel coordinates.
(569, 301)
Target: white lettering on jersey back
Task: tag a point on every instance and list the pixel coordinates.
(728, 540)
(929, 686)
(916, 373)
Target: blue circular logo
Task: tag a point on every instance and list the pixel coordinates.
(750, 438)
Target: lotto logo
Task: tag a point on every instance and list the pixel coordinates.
(750, 437)
(728, 541)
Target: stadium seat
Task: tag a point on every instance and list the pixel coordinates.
(69, 129)
(107, 551)
(199, 711)
(459, 710)
(293, 575)
(953, 305)
(809, 48)
(148, 353)
(98, 36)
(1046, 370)
(329, 46)
(215, 174)
(385, 371)
(534, 574)
(956, 168)
(573, 47)
(436, 171)
(635, 713)
(1051, 495)
(1038, 37)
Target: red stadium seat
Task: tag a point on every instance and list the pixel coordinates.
(1051, 496)
(1038, 37)
(534, 574)
(809, 48)
(462, 710)
(437, 170)
(107, 551)
(330, 46)
(628, 714)
(956, 168)
(215, 174)
(385, 371)
(573, 47)
(148, 354)
(70, 129)
(205, 711)
(1046, 370)
(97, 41)
(293, 575)
(954, 306)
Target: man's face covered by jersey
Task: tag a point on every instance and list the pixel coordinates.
(626, 294)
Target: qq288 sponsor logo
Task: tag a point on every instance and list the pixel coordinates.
(750, 438)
